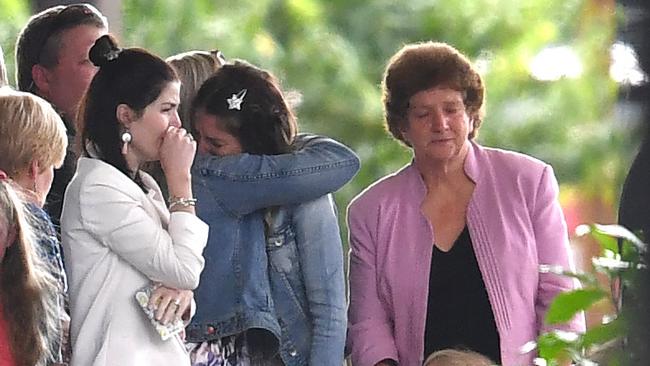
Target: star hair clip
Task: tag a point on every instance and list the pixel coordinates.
(236, 100)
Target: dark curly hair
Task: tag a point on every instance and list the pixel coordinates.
(421, 66)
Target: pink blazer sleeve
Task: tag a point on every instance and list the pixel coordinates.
(370, 330)
(553, 248)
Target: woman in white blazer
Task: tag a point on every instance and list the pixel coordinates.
(118, 234)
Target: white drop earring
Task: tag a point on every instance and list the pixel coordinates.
(126, 139)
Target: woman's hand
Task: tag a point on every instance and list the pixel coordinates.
(176, 155)
(170, 304)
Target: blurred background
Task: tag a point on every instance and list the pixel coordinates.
(561, 77)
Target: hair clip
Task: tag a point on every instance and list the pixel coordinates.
(112, 54)
(235, 101)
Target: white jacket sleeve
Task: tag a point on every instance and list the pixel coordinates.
(118, 219)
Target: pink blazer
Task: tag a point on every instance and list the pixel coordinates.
(516, 224)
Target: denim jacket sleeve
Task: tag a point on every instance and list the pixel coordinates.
(245, 183)
(321, 259)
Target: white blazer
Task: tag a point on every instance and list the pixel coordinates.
(117, 239)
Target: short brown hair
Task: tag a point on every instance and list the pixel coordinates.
(39, 41)
(421, 66)
(30, 129)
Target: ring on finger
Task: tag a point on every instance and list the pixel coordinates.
(177, 302)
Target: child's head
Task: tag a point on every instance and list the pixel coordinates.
(452, 357)
(33, 142)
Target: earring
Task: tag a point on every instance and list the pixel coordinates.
(126, 139)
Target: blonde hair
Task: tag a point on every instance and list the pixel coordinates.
(30, 130)
(453, 357)
(28, 291)
(193, 68)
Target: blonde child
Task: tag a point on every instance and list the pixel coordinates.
(453, 357)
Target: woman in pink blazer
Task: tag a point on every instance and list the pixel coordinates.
(445, 252)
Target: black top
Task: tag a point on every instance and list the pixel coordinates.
(62, 177)
(459, 314)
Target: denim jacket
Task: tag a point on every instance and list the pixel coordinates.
(50, 249)
(307, 282)
(234, 293)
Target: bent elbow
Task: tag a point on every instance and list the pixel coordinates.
(355, 164)
(187, 276)
(193, 278)
(191, 283)
(187, 283)
(351, 168)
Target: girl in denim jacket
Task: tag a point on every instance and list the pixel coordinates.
(274, 262)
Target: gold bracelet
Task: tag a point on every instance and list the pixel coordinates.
(181, 201)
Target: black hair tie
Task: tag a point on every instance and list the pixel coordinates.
(104, 51)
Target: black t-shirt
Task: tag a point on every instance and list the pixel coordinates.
(459, 314)
(62, 177)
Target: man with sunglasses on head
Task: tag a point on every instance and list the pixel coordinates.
(52, 62)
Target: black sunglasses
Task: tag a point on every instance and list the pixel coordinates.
(68, 17)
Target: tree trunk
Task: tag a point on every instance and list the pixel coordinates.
(634, 210)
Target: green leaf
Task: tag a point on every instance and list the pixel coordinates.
(566, 305)
(631, 252)
(550, 346)
(586, 279)
(603, 333)
(605, 241)
(620, 232)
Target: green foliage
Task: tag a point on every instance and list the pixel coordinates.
(566, 305)
(335, 52)
(602, 333)
(13, 14)
(621, 260)
(552, 346)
